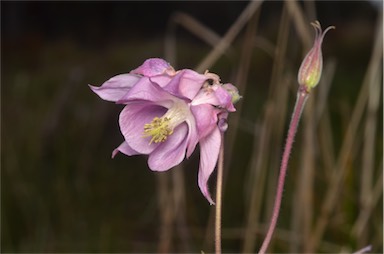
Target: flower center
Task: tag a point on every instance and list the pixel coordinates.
(160, 128)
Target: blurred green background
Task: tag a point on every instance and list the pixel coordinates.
(62, 192)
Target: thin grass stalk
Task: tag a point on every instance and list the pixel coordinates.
(327, 146)
(348, 144)
(179, 206)
(310, 9)
(367, 175)
(258, 173)
(323, 89)
(272, 117)
(279, 96)
(171, 196)
(304, 204)
(166, 213)
(277, 133)
(257, 188)
(372, 200)
(241, 82)
(192, 25)
(323, 121)
(231, 34)
(299, 22)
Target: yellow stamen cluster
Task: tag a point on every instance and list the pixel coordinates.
(158, 129)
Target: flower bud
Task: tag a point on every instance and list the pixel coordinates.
(233, 91)
(312, 65)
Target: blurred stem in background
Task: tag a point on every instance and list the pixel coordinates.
(349, 143)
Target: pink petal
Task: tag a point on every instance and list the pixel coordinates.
(215, 95)
(234, 92)
(116, 87)
(125, 149)
(148, 91)
(209, 152)
(206, 118)
(225, 99)
(186, 83)
(193, 136)
(153, 66)
(171, 152)
(206, 96)
(132, 120)
(161, 80)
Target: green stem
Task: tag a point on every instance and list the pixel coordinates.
(302, 95)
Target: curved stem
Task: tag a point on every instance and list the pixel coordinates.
(301, 98)
(219, 187)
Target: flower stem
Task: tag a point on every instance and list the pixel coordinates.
(302, 95)
(219, 186)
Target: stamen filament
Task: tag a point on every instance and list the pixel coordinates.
(158, 129)
(162, 127)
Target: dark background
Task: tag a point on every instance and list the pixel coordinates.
(61, 191)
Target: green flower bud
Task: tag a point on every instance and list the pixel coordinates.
(232, 90)
(312, 65)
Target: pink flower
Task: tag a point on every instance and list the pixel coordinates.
(168, 113)
(312, 65)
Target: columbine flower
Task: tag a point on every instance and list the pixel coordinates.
(168, 113)
(312, 65)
